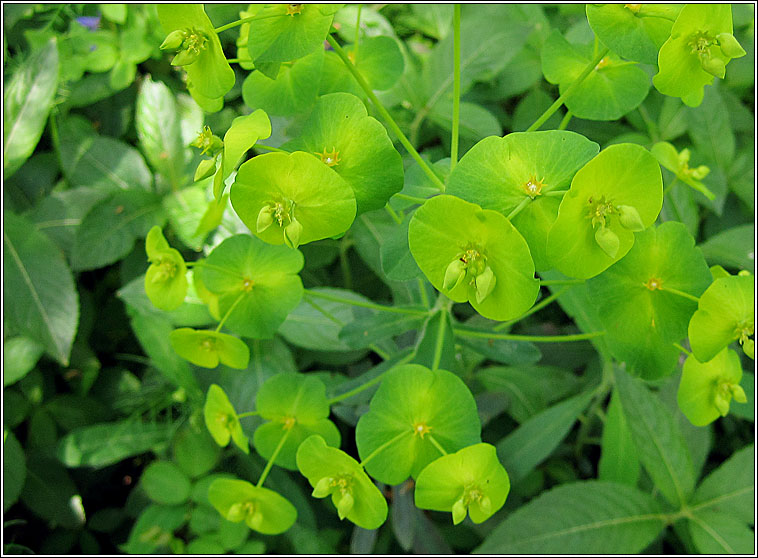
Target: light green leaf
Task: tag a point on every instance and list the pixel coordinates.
(244, 132)
(263, 510)
(380, 61)
(20, 355)
(207, 348)
(718, 533)
(221, 419)
(729, 489)
(165, 483)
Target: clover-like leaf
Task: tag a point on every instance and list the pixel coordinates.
(633, 31)
(221, 419)
(296, 406)
(641, 317)
(471, 479)
(611, 90)
(621, 175)
(304, 199)
(356, 146)
(207, 348)
(700, 46)
(207, 68)
(166, 278)
(447, 229)
(726, 313)
(501, 173)
(256, 284)
(707, 388)
(414, 409)
(678, 163)
(333, 472)
(263, 510)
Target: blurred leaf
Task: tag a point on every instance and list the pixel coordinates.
(364, 331)
(165, 483)
(731, 248)
(14, 469)
(435, 345)
(154, 527)
(51, 494)
(729, 489)
(717, 533)
(20, 354)
(618, 460)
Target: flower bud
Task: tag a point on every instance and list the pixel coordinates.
(237, 512)
(292, 233)
(748, 347)
(607, 240)
(722, 403)
(205, 169)
(630, 218)
(454, 274)
(714, 66)
(729, 45)
(265, 219)
(185, 57)
(485, 283)
(174, 40)
(738, 393)
(323, 488)
(459, 511)
(345, 504)
(700, 172)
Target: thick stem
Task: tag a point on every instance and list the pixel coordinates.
(456, 84)
(566, 119)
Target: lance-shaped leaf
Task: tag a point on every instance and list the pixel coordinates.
(633, 31)
(411, 407)
(726, 313)
(611, 90)
(263, 510)
(210, 74)
(501, 173)
(301, 199)
(221, 419)
(447, 229)
(258, 279)
(333, 472)
(621, 175)
(296, 406)
(641, 317)
(700, 46)
(356, 146)
(166, 278)
(471, 479)
(207, 348)
(706, 389)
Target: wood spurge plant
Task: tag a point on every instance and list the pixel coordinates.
(380, 309)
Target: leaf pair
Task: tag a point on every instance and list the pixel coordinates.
(263, 510)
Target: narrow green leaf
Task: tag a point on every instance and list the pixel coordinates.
(618, 459)
(14, 469)
(435, 347)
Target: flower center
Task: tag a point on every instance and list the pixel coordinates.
(247, 285)
(653, 284)
(420, 429)
(208, 344)
(329, 158)
(288, 423)
(533, 187)
(294, 9)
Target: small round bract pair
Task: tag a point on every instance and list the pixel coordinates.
(166, 278)
(470, 480)
(334, 473)
(679, 164)
(207, 348)
(263, 510)
(221, 419)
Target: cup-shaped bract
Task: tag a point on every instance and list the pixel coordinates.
(294, 405)
(501, 173)
(707, 388)
(221, 419)
(700, 47)
(292, 188)
(263, 510)
(207, 348)
(640, 317)
(471, 479)
(210, 74)
(412, 406)
(356, 146)
(726, 313)
(166, 278)
(258, 279)
(334, 473)
(624, 174)
(447, 228)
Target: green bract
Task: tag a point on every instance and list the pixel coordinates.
(706, 389)
(700, 47)
(678, 163)
(622, 176)
(256, 284)
(380, 61)
(296, 406)
(726, 313)
(285, 32)
(261, 509)
(473, 254)
(611, 90)
(411, 407)
(471, 479)
(641, 318)
(221, 419)
(166, 278)
(342, 136)
(333, 472)
(207, 348)
(501, 173)
(200, 50)
(633, 31)
(292, 199)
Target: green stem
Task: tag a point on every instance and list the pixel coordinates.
(233, 60)
(357, 33)
(566, 119)
(247, 414)
(269, 148)
(436, 444)
(685, 351)
(362, 304)
(652, 129)
(384, 446)
(384, 113)
(362, 387)
(422, 292)
(393, 214)
(440, 340)
(456, 84)
(519, 207)
(244, 20)
(270, 463)
(670, 185)
(549, 282)
(413, 199)
(228, 312)
(679, 293)
(536, 308)
(569, 90)
(532, 338)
